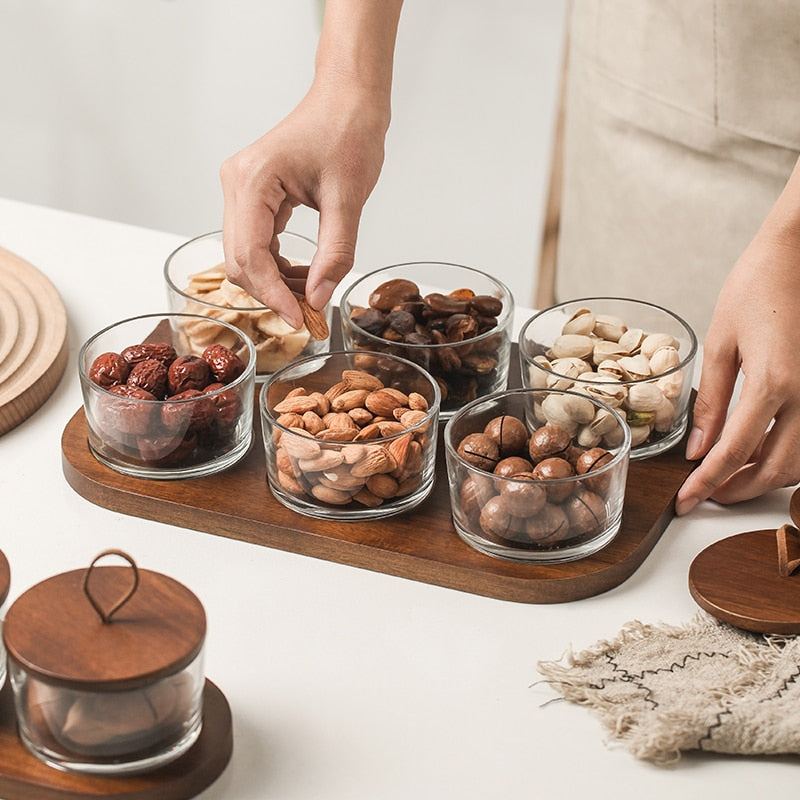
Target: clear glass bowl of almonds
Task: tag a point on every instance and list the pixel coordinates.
(454, 321)
(196, 284)
(523, 489)
(634, 356)
(350, 435)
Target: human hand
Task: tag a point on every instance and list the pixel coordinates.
(327, 155)
(754, 329)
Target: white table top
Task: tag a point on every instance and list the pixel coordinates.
(345, 683)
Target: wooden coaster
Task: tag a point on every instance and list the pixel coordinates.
(33, 339)
(739, 581)
(25, 777)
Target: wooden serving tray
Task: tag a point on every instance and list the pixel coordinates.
(24, 777)
(421, 544)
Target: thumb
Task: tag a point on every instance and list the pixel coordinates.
(714, 392)
(335, 254)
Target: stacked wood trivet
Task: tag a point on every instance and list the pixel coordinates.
(33, 339)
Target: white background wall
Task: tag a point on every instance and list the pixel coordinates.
(125, 108)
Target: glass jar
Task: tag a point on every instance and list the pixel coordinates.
(106, 668)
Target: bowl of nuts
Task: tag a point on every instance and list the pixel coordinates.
(634, 356)
(523, 489)
(451, 320)
(196, 284)
(158, 405)
(350, 435)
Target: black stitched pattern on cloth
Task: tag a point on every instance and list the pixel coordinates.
(661, 690)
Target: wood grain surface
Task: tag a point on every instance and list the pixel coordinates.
(420, 545)
(24, 777)
(33, 339)
(737, 580)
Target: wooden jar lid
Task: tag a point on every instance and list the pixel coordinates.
(5, 577)
(747, 580)
(155, 627)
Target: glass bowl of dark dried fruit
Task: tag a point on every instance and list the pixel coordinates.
(451, 320)
(158, 408)
(525, 489)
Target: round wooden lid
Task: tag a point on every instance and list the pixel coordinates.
(33, 339)
(5, 577)
(154, 627)
(739, 580)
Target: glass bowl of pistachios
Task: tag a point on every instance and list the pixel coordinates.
(632, 355)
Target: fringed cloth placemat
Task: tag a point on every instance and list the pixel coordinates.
(662, 690)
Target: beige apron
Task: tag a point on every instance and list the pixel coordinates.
(682, 126)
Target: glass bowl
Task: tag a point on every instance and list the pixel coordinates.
(350, 435)
(523, 489)
(453, 321)
(632, 355)
(196, 284)
(160, 405)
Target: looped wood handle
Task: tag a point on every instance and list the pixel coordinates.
(106, 615)
(785, 566)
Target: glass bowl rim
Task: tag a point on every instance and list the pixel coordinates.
(523, 347)
(433, 409)
(249, 367)
(505, 315)
(622, 450)
(217, 235)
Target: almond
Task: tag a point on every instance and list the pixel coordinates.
(399, 449)
(375, 460)
(382, 485)
(417, 402)
(338, 388)
(323, 461)
(383, 402)
(315, 320)
(296, 404)
(332, 496)
(300, 445)
(358, 379)
(367, 498)
(350, 399)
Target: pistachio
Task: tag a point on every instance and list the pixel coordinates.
(664, 359)
(609, 327)
(652, 342)
(571, 345)
(581, 322)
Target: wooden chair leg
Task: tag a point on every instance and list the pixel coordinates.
(544, 294)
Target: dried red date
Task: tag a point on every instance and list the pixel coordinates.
(188, 372)
(109, 369)
(160, 351)
(179, 415)
(130, 411)
(150, 375)
(224, 364)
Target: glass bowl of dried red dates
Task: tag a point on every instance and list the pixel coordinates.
(350, 435)
(524, 489)
(158, 405)
(453, 321)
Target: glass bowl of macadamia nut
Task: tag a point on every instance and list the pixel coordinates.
(524, 489)
(158, 405)
(635, 356)
(350, 435)
(454, 321)
(197, 284)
